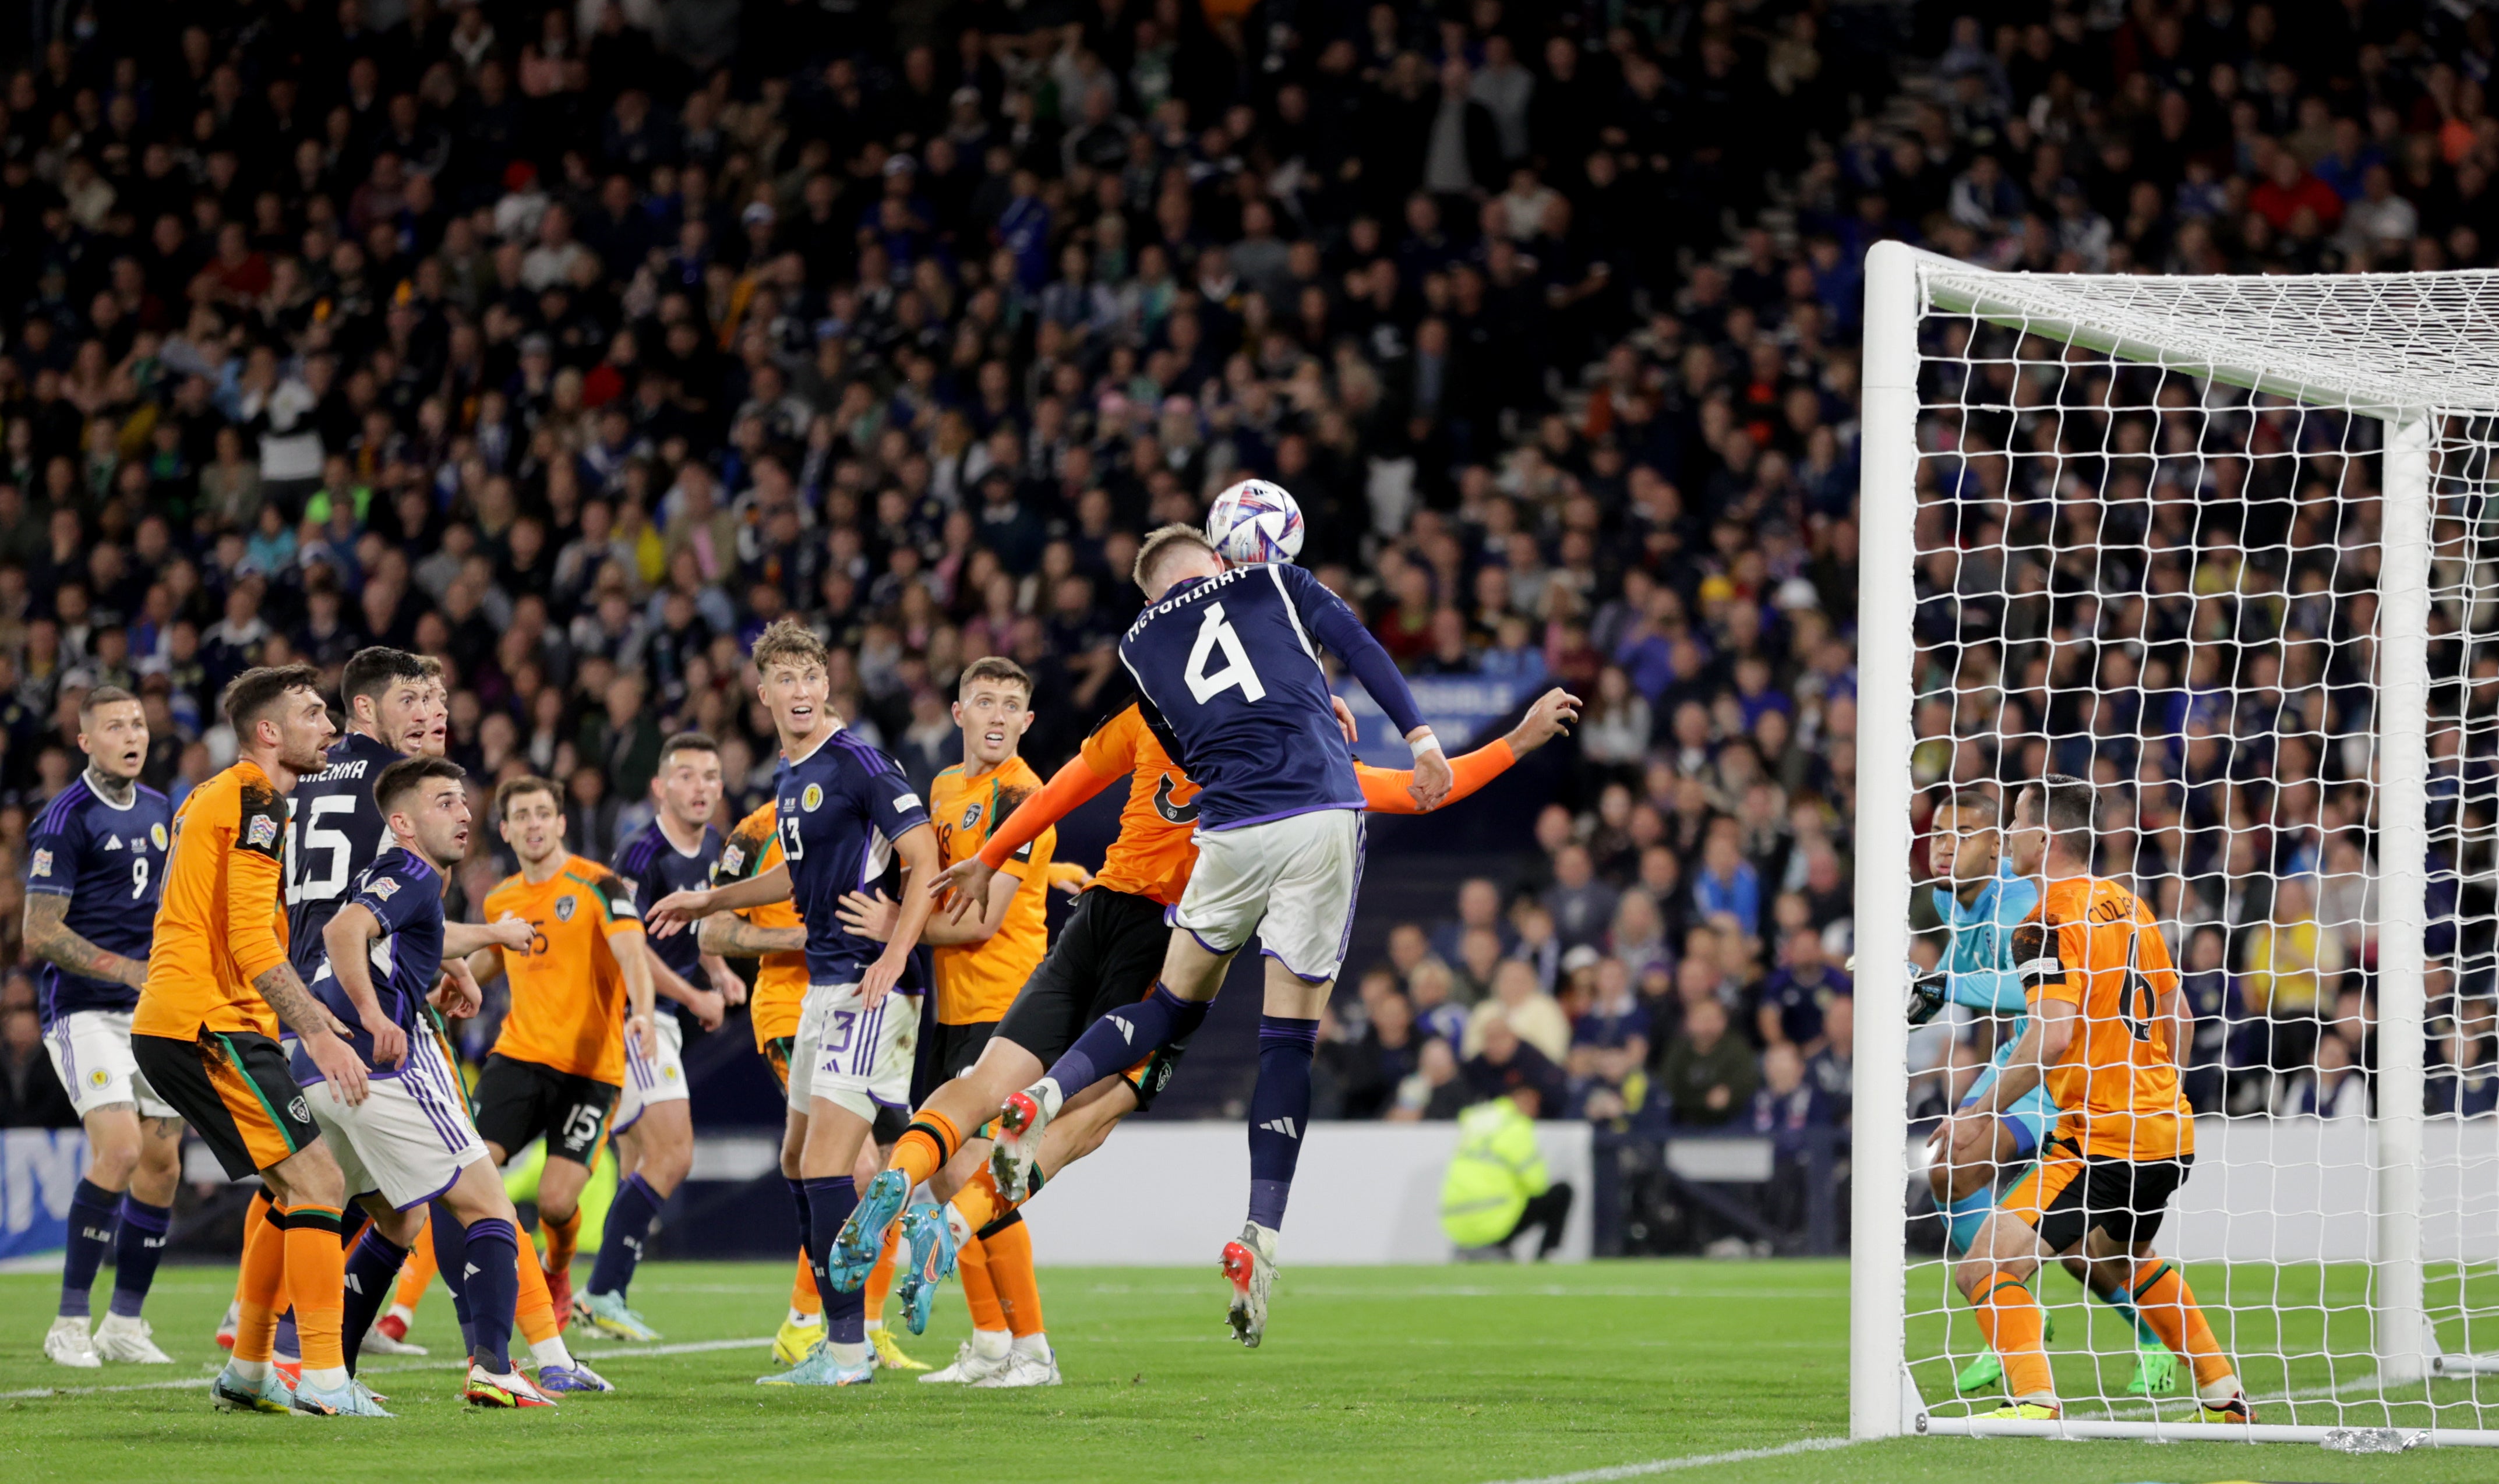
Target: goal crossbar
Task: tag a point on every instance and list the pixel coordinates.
(2444, 353)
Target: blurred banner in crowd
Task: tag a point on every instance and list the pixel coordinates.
(1458, 707)
(39, 1170)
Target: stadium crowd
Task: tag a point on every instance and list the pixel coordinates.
(573, 345)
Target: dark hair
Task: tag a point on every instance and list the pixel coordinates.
(2068, 805)
(1972, 799)
(527, 783)
(402, 777)
(102, 696)
(255, 691)
(372, 669)
(687, 742)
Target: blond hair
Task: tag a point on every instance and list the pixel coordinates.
(1162, 542)
(787, 641)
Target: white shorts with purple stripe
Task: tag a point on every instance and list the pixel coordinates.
(649, 1079)
(410, 1137)
(1290, 881)
(852, 1056)
(90, 1052)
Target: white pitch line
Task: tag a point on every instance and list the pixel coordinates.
(196, 1383)
(1689, 1460)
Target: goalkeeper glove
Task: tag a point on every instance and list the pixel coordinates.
(1927, 993)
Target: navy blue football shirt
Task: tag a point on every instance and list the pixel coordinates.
(334, 830)
(1232, 684)
(110, 862)
(840, 808)
(652, 866)
(404, 895)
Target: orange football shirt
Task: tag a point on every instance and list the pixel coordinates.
(976, 982)
(222, 921)
(754, 848)
(567, 993)
(2117, 1080)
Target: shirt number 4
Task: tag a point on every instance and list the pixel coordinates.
(1216, 636)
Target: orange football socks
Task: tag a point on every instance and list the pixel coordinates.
(316, 1275)
(2167, 1303)
(1010, 1262)
(2010, 1318)
(980, 1291)
(562, 1238)
(260, 1288)
(925, 1145)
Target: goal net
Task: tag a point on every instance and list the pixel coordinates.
(2229, 548)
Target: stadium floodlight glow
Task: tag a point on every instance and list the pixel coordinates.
(2042, 457)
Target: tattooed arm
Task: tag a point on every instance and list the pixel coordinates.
(734, 937)
(48, 938)
(324, 1039)
(283, 989)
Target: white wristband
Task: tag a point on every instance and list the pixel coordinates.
(1424, 745)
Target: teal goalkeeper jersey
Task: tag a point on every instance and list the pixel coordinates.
(1978, 966)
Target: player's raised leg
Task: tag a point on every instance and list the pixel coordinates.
(1169, 1013)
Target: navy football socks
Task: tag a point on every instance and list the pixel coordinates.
(137, 1249)
(1280, 1114)
(630, 1220)
(1122, 1038)
(93, 1210)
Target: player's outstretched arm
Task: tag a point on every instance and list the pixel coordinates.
(972, 880)
(1996, 992)
(462, 939)
(873, 917)
(669, 915)
(918, 848)
(1391, 791)
(485, 964)
(1334, 625)
(47, 937)
(670, 985)
(734, 937)
(324, 1039)
(346, 937)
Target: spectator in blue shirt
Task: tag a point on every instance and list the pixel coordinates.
(1726, 884)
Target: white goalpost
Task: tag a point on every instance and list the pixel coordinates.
(2229, 547)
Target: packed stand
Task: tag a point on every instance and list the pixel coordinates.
(573, 352)
(2208, 688)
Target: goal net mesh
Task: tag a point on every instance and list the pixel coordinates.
(2150, 534)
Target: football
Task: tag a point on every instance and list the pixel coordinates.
(1255, 521)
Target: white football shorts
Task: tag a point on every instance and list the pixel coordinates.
(90, 1051)
(410, 1138)
(1290, 881)
(853, 1058)
(658, 1079)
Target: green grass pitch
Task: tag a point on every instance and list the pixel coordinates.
(1459, 1374)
